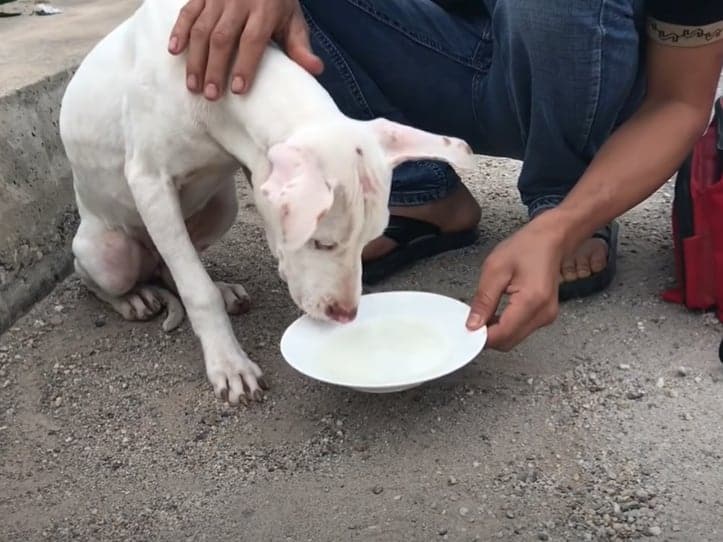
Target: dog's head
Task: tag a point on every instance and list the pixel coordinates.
(326, 197)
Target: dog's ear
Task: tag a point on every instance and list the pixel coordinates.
(298, 192)
(402, 143)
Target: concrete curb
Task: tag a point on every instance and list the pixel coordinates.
(37, 207)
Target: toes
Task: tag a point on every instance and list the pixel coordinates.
(599, 257)
(220, 387)
(151, 300)
(569, 270)
(237, 394)
(582, 264)
(235, 298)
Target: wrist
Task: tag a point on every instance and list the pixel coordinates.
(561, 227)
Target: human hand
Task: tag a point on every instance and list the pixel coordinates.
(217, 31)
(526, 267)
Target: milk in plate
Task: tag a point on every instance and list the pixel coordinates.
(374, 352)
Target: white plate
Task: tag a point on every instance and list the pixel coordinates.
(399, 340)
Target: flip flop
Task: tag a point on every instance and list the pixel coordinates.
(416, 240)
(597, 282)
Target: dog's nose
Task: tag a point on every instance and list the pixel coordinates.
(341, 314)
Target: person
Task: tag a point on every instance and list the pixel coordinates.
(600, 99)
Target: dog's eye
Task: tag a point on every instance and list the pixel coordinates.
(318, 245)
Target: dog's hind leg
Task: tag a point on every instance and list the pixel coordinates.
(116, 268)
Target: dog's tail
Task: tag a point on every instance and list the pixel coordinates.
(174, 309)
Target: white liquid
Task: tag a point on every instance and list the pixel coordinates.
(383, 350)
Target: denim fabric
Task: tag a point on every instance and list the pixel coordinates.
(542, 81)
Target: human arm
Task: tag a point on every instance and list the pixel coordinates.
(635, 161)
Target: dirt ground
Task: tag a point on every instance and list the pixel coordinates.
(606, 425)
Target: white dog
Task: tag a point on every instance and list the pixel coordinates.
(153, 170)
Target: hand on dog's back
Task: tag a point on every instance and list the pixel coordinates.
(215, 32)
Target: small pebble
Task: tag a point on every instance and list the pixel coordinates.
(654, 530)
(55, 320)
(510, 514)
(635, 395)
(671, 393)
(624, 367)
(452, 481)
(542, 536)
(682, 371)
(397, 497)
(443, 531)
(463, 511)
(660, 383)
(377, 490)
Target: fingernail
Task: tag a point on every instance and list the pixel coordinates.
(237, 85)
(173, 44)
(474, 321)
(211, 91)
(192, 82)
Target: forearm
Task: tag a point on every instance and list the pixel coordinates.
(647, 149)
(636, 161)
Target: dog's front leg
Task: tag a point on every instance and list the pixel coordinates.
(227, 365)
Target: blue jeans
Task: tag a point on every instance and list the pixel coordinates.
(542, 81)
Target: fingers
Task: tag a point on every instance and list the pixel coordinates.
(527, 311)
(253, 43)
(223, 43)
(298, 47)
(181, 31)
(199, 44)
(494, 280)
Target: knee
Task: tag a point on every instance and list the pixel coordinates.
(561, 24)
(109, 260)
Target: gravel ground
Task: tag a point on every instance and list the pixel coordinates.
(605, 425)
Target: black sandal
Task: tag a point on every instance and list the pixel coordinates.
(416, 240)
(597, 282)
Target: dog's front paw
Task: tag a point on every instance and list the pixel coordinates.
(235, 377)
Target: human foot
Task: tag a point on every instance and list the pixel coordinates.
(415, 233)
(590, 268)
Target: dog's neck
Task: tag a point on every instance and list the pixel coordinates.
(283, 98)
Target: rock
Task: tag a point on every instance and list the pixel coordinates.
(377, 490)
(683, 371)
(660, 383)
(542, 536)
(641, 495)
(55, 320)
(464, 511)
(510, 514)
(443, 531)
(635, 395)
(452, 481)
(654, 530)
(624, 367)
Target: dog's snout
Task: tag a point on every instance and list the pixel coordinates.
(340, 313)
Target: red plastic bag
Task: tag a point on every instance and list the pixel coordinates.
(698, 223)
